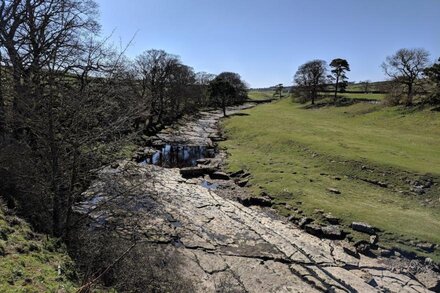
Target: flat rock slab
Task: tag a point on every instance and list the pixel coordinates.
(225, 245)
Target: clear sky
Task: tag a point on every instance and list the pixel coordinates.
(266, 41)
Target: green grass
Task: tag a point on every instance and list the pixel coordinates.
(260, 95)
(29, 261)
(298, 152)
(377, 97)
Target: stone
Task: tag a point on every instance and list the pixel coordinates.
(374, 239)
(219, 175)
(386, 253)
(203, 161)
(293, 218)
(333, 190)
(332, 219)
(303, 221)
(428, 247)
(238, 173)
(256, 201)
(114, 165)
(242, 183)
(372, 282)
(332, 232)
(313, 229)
(363, 227)
(350, 250)
(363, 247)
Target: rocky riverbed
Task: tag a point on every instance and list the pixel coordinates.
(225, 245)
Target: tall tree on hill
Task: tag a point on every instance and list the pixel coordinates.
(227, 89)
(340, 67)
(406, 67)
(310, 78)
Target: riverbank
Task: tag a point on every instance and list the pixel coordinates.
(205, 239)
(347, 161)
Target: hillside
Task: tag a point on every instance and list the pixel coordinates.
(384, 162)
(31, 262)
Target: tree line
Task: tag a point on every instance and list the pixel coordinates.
(410, 71)
(70, 102)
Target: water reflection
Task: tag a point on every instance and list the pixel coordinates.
(176, 156)
(209, 185)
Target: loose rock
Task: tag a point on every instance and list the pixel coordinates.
(363, 227)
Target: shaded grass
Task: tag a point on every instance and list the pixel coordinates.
(289, 149)
(29, 261)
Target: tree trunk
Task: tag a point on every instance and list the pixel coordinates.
(54, 162)
(224, 106)
(409, 97)
(2, 106)
(336, 88)
(70, 202)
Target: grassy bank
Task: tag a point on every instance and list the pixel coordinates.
(296, 154)
(30, 262)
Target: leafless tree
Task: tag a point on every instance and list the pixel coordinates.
(406, 67)
(66, 101)
(310, 78)
(365, 85)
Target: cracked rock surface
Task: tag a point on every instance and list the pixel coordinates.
(223, 241)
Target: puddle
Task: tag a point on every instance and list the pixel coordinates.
(177, 156)
(209, 185)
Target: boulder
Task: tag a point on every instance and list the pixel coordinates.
(428, 247)
(386, 253)
(256, 201)
(332, 232)
(219, 175)
(374, 239)
(203, 161)
(363, 227)
(332, 219)
(242, 183)
(313, 229)
(304, 221)
(364, 247)
(238, 173)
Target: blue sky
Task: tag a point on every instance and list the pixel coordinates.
(266, 41)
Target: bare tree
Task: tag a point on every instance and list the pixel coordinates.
(310, 78)
(406, 67)
(365, 86)
(154, 68)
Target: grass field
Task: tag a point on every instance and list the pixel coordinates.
(29, 261)
(260, 95)
(377, 97)
(296, 154)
